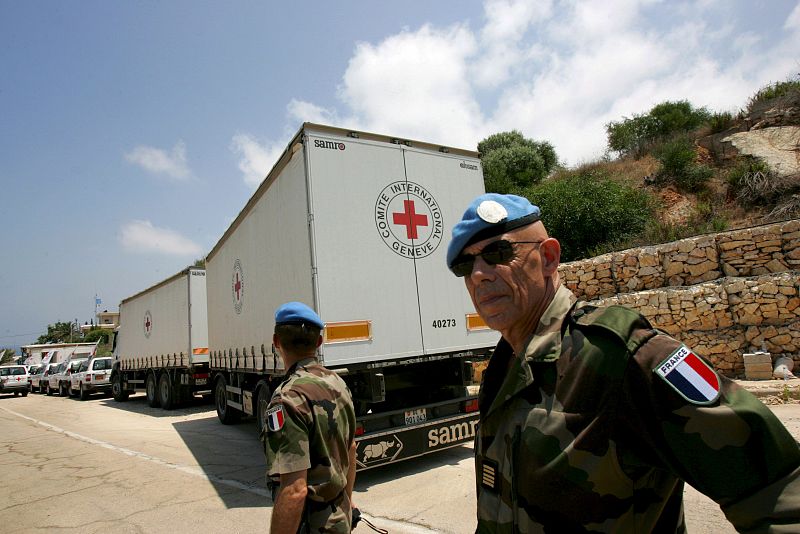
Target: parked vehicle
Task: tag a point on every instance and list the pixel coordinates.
(356, 226)
(36, 378)
(32, 371)
(161, 346)
(14, 379)
(49, 380)
(62, 377)
(93, 376)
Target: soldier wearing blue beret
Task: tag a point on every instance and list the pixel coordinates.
(309, 432)
(591, 419)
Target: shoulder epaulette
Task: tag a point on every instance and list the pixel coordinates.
(629, 327)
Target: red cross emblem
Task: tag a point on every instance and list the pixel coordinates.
(410, 219)
(237, 286)
(148, 323)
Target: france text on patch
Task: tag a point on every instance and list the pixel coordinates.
(694, 379)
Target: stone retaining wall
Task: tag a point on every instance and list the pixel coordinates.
(723, 295)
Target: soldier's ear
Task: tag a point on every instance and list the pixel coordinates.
(319, 340)
(276, 342)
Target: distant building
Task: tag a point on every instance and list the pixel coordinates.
(105, 319)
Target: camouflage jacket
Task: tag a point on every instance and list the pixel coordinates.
(583, 434)
(310, 426)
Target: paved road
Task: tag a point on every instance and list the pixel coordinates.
(102, 466)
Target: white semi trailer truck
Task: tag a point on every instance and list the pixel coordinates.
(356, 225)
(161, 345)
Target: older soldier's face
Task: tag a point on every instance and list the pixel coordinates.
(510, 296)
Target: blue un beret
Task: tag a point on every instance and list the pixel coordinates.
(489, 215)
(297, 313)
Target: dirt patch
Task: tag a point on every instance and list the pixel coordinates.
(678, 208)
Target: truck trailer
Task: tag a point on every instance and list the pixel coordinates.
(356, 225)
(161, 345)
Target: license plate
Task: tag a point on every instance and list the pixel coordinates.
(201, 381)
(100, 377)
(416, 416)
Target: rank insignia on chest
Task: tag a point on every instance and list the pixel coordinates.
(275, 417)
(694, 379)
(489, 475)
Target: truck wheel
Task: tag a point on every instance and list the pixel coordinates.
(261, 407)
(24, 393)
(151, 390)
(120, 395)
(84, 393)
(166, 393)
(225, 413)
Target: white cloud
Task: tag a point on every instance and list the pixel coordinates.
(415, 85)
(558, 70)
(793, 20)
(159, 161)
(300, 111)
(256, 158)
(142, 236)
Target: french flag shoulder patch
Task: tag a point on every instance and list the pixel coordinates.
(694, 379)
(275, 418)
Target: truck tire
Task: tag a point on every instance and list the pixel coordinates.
(166, 393)
(261, 406)
(151, 388)
(24, 393)
(83, 393)
(120, 395)
(226, 414)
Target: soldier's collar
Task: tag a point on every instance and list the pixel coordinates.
(305, 362)
(545, 343)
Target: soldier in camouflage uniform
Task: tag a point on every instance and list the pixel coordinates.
(590, 419)
(309, 432)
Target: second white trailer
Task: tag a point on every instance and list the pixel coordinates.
(161, 345)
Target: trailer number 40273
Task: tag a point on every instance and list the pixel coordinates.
(444, 323)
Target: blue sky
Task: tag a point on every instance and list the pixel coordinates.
(132, 133)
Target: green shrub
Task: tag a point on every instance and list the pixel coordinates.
(677, 158)
(719, 122)
(511, 161)
(633, 136)
(745, 166)
(772, 91)
(97, 333)
(585, 210)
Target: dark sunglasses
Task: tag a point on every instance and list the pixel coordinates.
(499, 252)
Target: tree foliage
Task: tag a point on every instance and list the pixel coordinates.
(633, 136)
(103, 334)
(7, 356)
(584, 210)
(60, 332)
(511, 161)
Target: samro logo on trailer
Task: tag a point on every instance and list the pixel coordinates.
(409, 220)
(148, 324)
(237, 286)
(332, 145)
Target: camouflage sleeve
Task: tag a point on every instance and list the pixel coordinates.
(287, 429)
(713, 434)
